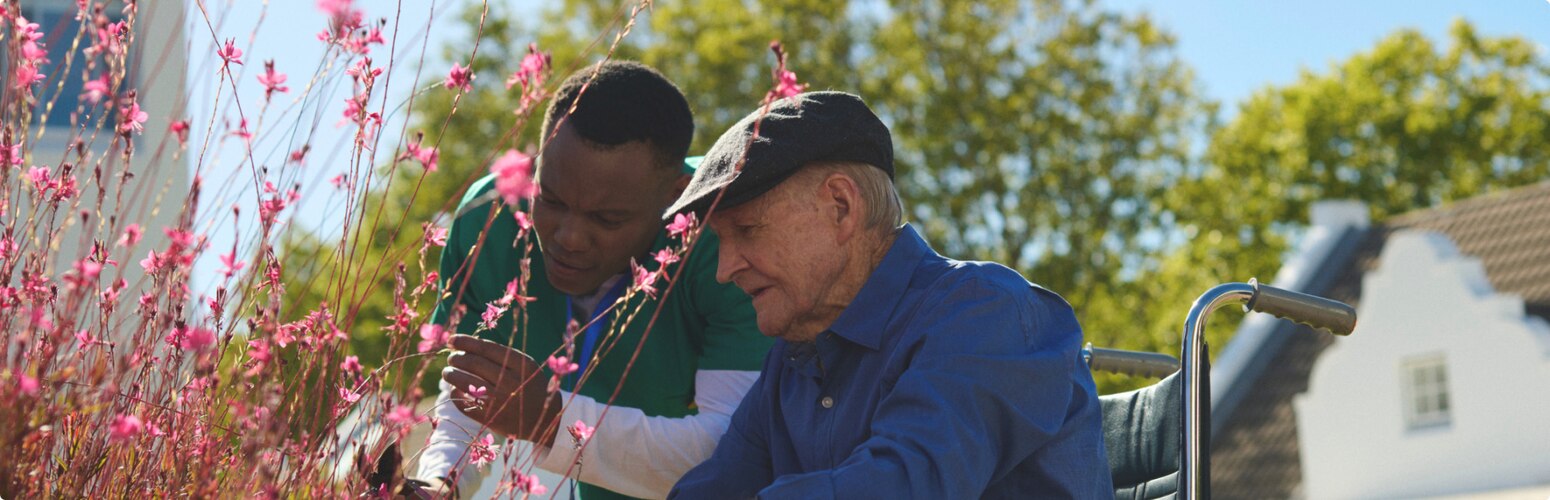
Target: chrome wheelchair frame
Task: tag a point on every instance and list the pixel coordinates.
(1131, 419)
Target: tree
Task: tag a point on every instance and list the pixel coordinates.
(1053, 136)
(1033, 133)
(1403, 126)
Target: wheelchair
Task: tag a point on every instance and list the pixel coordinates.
(1158, 446)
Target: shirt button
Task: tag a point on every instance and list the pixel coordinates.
(827, 402)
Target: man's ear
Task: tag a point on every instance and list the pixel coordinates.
(845, 198)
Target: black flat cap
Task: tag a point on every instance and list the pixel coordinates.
(797, 130)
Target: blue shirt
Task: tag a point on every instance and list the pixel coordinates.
(942, 379)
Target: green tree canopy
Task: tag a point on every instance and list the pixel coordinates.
(1062, 139)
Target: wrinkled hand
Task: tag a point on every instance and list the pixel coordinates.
(516, 403)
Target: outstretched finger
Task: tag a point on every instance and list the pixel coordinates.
(461, 380)
(481, 367)
(492, 351)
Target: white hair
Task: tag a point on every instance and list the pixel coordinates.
(884, 210)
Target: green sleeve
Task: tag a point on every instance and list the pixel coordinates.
(467, 222)
(731, 338)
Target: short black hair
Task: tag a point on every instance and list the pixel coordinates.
(626, 102)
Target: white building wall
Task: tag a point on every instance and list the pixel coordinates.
(158, 67)
(1427, 298)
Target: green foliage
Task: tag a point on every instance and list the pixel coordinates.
(1404, 126)
(1059, 138)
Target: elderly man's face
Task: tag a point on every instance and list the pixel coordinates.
(782, 251)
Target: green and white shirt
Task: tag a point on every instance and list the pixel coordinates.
(702, 355)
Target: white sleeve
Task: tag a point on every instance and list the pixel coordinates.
(448, 446)
(643, 456)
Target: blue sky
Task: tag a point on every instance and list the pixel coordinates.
(1235, 48)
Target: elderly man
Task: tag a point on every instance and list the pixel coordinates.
(898, 373)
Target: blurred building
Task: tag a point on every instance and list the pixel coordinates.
(156, 66)
(1443, 388)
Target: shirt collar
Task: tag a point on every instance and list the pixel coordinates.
(863, 320)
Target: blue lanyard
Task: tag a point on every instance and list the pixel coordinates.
(589, 338)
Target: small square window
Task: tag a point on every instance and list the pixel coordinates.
(62, 89)
(1426, 399)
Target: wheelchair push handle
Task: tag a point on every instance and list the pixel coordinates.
(1317, 312)
(1144, 364)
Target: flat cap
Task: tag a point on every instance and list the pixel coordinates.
(797, 130)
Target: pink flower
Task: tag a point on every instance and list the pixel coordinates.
(133, 119)
(151, 263)
(242, 130)
(285, 334)
(492, 314)
(110, 296)
(528, 483)
(349, 396)
(788, 86)
(425, 155)
(300, 155)
(180, 128)
(483, 451)
(109, 39)
(229, 263)
(27, 385)
(459, 77)
(88, 269)
(531, 72)
(581, 431)
(530, 75)
(270, 209)
(514, 177)
(272, 81)
(40, 178)
(437, 236)
(433, 337)
(84, 339)
(644, 279)
(351, 364)
(681, 225)
(131, 235)
(26, 30)
(785, 81)
(10, 155)
(478, 392)
(561, 365)
(402, 418)
(259, 352)
(198, 338)
(665, 256)
(338, 181)
(524, 222)
(190, 338)
(40, 319)
(180, 238)
(125, 427)
(26, 76)
(94, 90)
(230, 54)
(362, 71)
(335, 7)
(33, 53)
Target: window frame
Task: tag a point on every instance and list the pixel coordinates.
(1427, 401)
